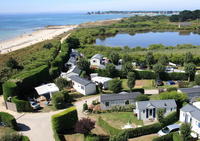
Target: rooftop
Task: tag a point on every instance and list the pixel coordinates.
(194, 111)
(47, 88)
(190, 90)
(80, 80)
(121, 96)
(156, 103)
(97, 56)
(100, 79)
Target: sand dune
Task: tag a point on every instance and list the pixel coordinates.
(26, 40)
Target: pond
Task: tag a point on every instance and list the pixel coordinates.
(149, 38)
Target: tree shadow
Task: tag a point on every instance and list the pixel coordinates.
(23, 127)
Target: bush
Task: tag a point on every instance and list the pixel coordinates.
(122, 136)
(8, 120)
(84, 126)
(85, 107)
(170, 119)
(61, 83)
(11, 137)
(109, 129)
(9, 89)
(58, 100)
(168, 137)
(173, 76)
(64, 121)
(145, 75)
(171, 89)
(115, 85)
(127, 108)
(22, 105)
(142, 97)
(185, 131)
(141, 90)
(197, 79)
(54, 72)
(160, 114)
(92, 138)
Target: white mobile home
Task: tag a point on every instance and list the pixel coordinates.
(47, 90)
(102, 80)
(146, 110)
(83, 86)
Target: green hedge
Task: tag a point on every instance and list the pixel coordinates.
(109, 129)
(8, 120)
(173, 76)
(22, 105)
(25, 138)
(64, 121)
(141, 90)
(54, 72)
(92, 138)
(122, 136)
(145, 75)
(168, 137)
(9, 89)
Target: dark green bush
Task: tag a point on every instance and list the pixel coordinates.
(109, 129)
(58, 100)
(170, 89)
(9, 89)
(54, 72)
(64, 121)
(22, 105)
(11, 137)
(61, 83)
(92, 138)
(142, 97)
(115, 85)
(141, 90)
(8, 120)
(122, 136)
(168, 137)
(127, 108)
(25, 138)
(145, 75)
(173, 76)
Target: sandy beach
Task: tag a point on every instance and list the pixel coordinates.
(26, 40)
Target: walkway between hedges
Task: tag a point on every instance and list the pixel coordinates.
(37, 126)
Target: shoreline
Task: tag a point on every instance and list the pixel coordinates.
(46, 33)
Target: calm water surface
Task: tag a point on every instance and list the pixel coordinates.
(146, 39)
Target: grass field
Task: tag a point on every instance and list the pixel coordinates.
(119, 119)
(147, 84)
(5, 130)
(74, 137)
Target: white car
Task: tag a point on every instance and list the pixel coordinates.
(34, 105)
(169, 129)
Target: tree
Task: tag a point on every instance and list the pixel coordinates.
(163, 60)
(190, 70)
(85, 106)
(73, 42)
(115, 85)
(111, 70)
(160, 114)
(131, 80)
(12, 63)
(48, 46)
(158, 68)
(188, 58)
(142, 97)
(84, 126)
(11, 137)
(149, 59)
(60, 99)
(114, 57)
(84, 65)
(126, 68)
(126, 58)
(197, 79)
(185, 131)
(180, 98)
(61, 83)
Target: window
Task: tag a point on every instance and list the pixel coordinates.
(171, 109)
(143, 111)
(150, 112)
(199, 125)
(82, 87)
(107, 104)
(94, 61)
(127, 102)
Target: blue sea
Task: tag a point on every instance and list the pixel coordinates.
(17, 24)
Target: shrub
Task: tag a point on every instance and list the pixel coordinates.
(64, 121)
(170, 119)
(197, 79)
(115, 85)
(58, 100)
(8, 120)
(61, 83)
(11, 137)
(22, 105)
(171, 89)
(145, 75)
(142, 97)
(84, 126)
(160, 114)
(127, 108)
(141, 90)
(54, 72)
(9, 89)
(12, 63)
(85, 107)
(185, 131)
(109, 129)
(168, 137)
(122, 136)
(92, 138)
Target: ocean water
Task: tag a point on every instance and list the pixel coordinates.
(16, 24)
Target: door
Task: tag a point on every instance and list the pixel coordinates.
(154, 112)
(147, 113)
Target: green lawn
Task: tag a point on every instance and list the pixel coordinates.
(74, 137)
(5, 130)
(154, 97)
(119, 119)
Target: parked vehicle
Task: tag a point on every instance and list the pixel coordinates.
(169, 129)
(34, 105)
(170, 83)
(159, 83)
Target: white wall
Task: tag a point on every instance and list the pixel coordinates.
(85, 90)
(95, 62)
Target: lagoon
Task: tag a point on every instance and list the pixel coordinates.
(149, 38)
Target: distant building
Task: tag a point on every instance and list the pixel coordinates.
(191, 114)
(98, 61)
(103, 80)
(82, 85)
(73, 71)
(108, 101)
(191, 92)
(47, 90)
(146, 110)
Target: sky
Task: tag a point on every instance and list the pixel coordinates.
(40, 6)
